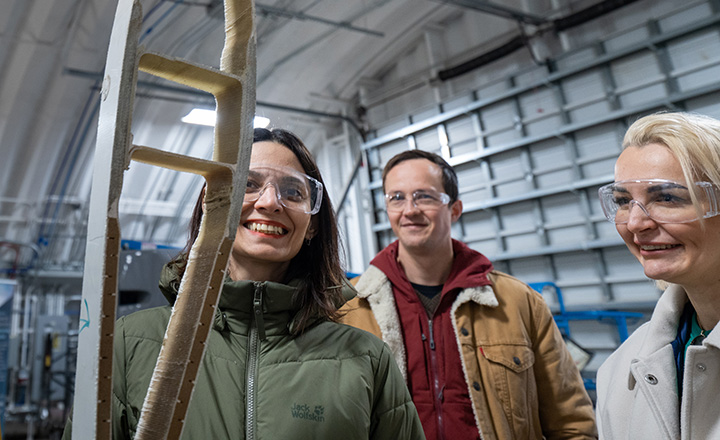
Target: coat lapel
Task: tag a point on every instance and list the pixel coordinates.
(652, 371)
(374, 286)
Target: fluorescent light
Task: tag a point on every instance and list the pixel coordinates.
(261, 122)
(202, 116)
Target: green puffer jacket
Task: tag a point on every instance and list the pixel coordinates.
(332, 382)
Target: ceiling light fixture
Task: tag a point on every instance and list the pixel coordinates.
(203, 116)
(261, 122)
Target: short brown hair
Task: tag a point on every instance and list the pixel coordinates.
(449, 178)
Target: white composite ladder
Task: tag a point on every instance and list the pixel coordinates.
(233, 86)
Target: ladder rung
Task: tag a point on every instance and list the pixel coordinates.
(183, 72)
(178, 162)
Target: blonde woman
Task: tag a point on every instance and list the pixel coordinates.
(663, 382)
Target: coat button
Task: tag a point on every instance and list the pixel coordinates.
(701, 367)
(476, 386)
(516, 360)
(464, 331)
(651, 379)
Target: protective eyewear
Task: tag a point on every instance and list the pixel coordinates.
(425, 199)
(294, 190)
(662, 200)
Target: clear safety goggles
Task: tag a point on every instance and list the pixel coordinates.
(423, 199)
(662, 200)
(294, 190)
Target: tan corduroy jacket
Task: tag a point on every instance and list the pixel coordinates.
(542, 396)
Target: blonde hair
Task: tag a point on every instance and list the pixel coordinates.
(692, 138)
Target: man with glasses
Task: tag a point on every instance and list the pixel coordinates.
(479, 349)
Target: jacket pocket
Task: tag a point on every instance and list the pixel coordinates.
(517, 358)
(510, 374)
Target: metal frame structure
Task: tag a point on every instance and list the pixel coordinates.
(181, 354)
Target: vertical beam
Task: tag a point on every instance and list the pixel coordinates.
(93, 379)
(183, 348)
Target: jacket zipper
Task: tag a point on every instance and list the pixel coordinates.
(437, 390)
(252, 367)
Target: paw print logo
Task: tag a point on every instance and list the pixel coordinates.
(319, 410)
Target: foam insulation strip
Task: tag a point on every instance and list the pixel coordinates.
(233, 86)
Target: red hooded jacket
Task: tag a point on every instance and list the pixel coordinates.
(435, 375)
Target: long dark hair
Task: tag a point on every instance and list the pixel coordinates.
(317, 265)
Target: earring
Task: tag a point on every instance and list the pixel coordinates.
(307, 241)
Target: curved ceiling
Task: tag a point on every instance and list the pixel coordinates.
(315, 58)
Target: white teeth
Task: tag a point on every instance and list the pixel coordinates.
(657, 247)
(265, 229)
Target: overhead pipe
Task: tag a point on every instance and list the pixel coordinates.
(209, 97)
(499, 10)
(215, 7)
(151, 28)
(588, 14)
(306, 111)
(486, 58)
(558, 25)
(298, 15)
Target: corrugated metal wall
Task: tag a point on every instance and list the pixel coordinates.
(532, 147)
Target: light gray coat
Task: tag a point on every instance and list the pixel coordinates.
(637, 385)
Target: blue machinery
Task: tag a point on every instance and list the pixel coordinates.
(563, 318)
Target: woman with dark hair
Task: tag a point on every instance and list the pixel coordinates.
(277, 365)
(317, 264)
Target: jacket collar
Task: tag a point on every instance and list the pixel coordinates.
(271, 305)
(665, 319)
(239, 301)
(469, 269)
(663, 325)
(655, 349)
(376, 288)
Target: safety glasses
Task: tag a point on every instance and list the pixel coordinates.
(662, 200)
(424, 199)
(294, 190)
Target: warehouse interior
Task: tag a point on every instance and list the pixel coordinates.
(527, 99)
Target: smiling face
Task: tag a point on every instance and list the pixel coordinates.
(681, 253)
(269, 235)
(420, 230)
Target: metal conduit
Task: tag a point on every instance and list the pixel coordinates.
(558, 25)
